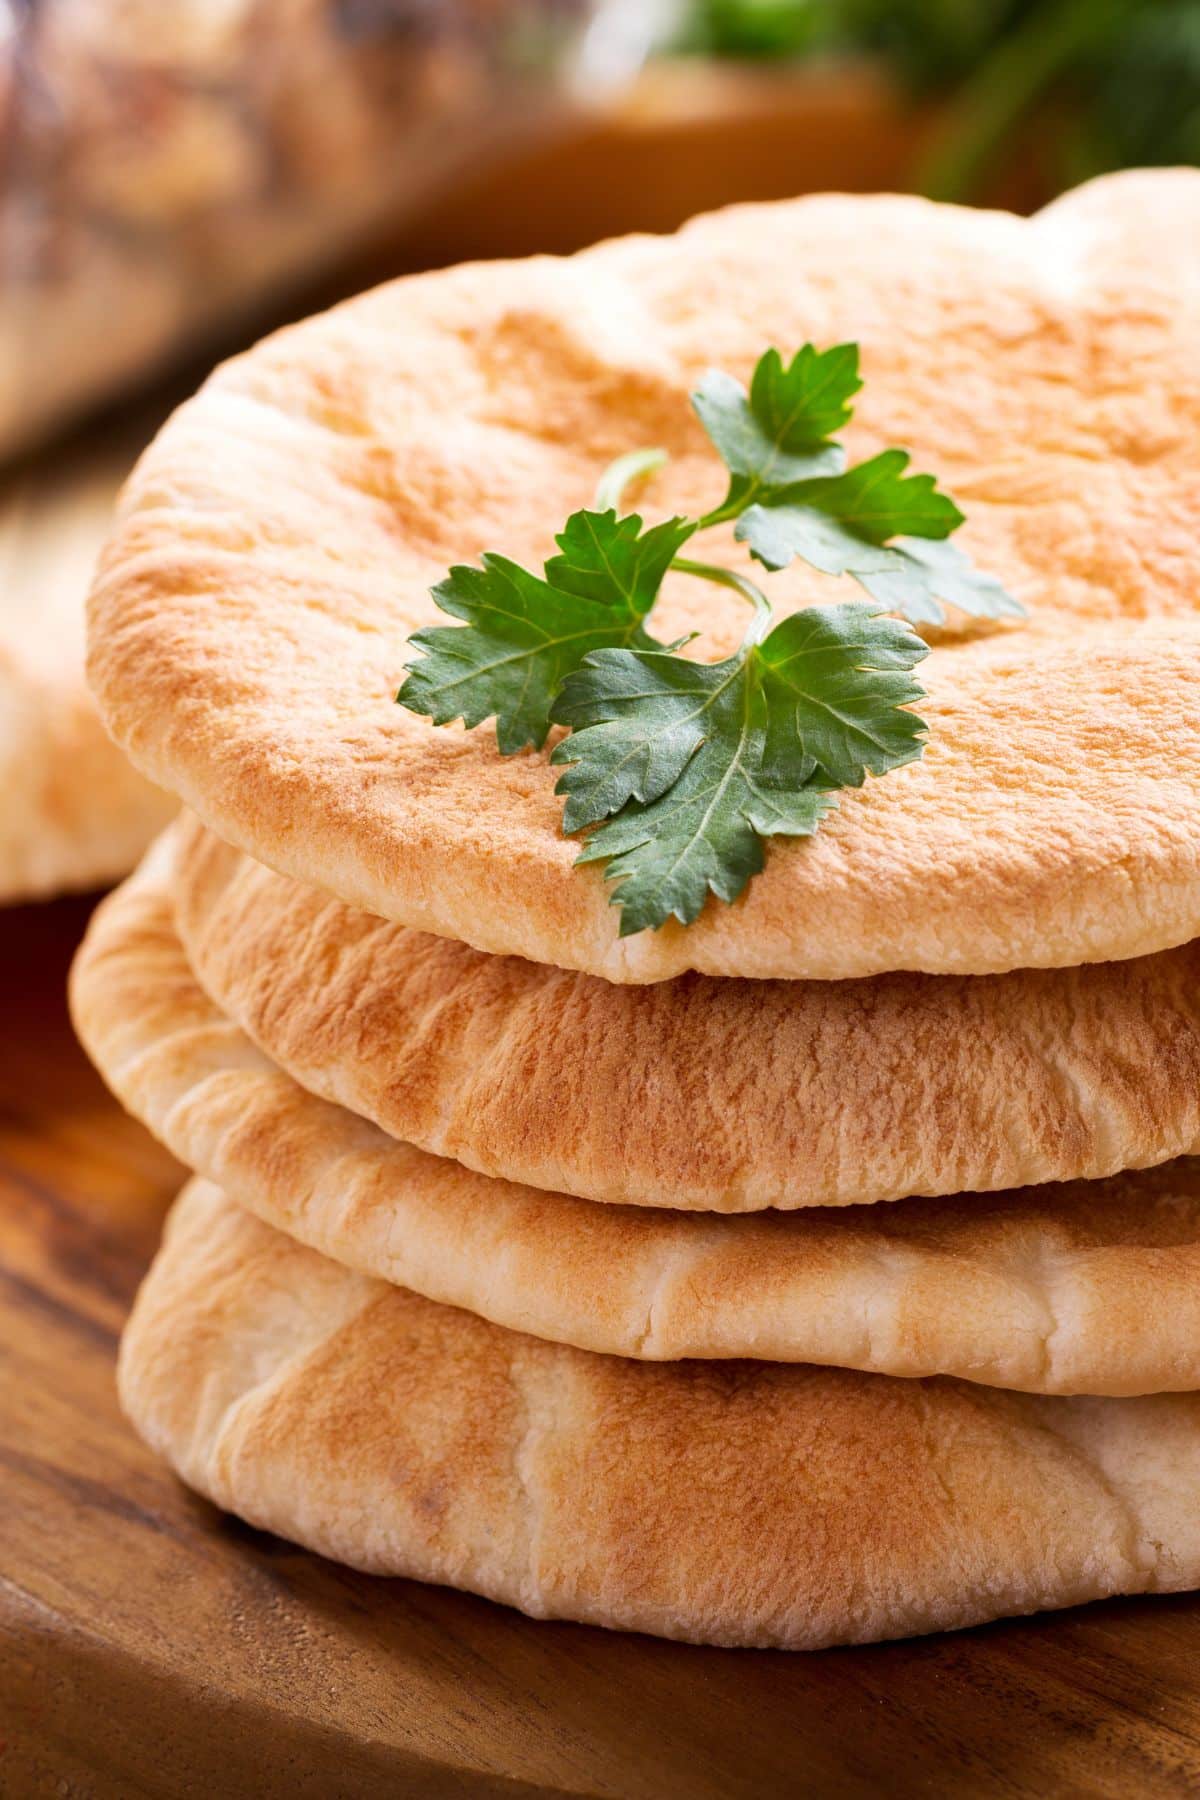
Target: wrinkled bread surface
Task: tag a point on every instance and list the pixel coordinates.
(716, 1095)
(730, 1503)
(1082, 1288)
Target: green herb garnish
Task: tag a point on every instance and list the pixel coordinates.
(525, 634)
(685, 767)
(691, 765)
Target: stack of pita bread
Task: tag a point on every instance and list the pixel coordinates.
(824, 1271)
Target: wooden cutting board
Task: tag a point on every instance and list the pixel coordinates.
(151, 1647)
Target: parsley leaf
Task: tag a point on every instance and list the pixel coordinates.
(792, 494)
(909, 576)
(611, 560)
(680, 770)
(841, 526)
(872, 502)
(780, 431)
(523, 635)
(705, 836)
(701, 761)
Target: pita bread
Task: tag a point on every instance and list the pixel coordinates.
(276, 545)
(725, 1503)
(75, 813)
(1089, 1288)
(723, 1096)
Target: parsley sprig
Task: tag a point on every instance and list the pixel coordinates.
(681, 769)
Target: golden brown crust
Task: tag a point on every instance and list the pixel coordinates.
(700, 1093)
(726, 1503)
(249, 627)
(1093, 1287)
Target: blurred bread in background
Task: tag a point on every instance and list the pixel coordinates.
(169, 170)
(75, 814)
(166, 172)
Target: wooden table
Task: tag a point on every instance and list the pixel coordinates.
(151, 1647)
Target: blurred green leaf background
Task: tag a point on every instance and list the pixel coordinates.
(1112, 83)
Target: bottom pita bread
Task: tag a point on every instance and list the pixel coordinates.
(731, 1503)
(1089, 1288)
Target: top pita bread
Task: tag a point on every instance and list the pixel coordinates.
(75, 814)
(277, 543)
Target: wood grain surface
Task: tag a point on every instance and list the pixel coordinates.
(151, 1647)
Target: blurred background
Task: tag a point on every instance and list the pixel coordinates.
(180, 175)
(177, 174)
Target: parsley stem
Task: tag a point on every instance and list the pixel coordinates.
(721, 515)
(731, 579)
(635, 465)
